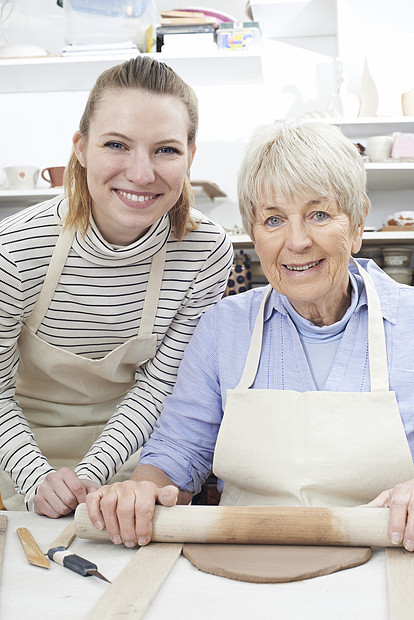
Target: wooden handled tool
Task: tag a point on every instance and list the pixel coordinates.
(59, 553)
(353, 527)
(32, 550)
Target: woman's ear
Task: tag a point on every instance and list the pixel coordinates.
(191, 153)
(79, 143)
(357, 241)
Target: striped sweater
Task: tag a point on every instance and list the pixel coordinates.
(96, 307)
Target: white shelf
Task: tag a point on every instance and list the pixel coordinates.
(369, 238)
(27, 197)
(388, 237)
(54, 73)
(390, 177)
(362, 127)
(241, 241)
(373, 120)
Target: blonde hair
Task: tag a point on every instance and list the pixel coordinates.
(142, 73)
(302, 158)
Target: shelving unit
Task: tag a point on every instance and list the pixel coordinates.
(54, 73)
(390, 177)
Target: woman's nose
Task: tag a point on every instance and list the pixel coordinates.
(140, 170)
(297, 237)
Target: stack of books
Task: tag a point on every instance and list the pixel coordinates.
(185, 23)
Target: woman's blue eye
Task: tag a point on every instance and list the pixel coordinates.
(273, 221)
(167, 149)
(115, 145)
(321, 216)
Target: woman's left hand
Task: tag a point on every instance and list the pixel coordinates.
(60, 493)
(400, 501)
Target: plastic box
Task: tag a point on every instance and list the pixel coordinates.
(239, 36)
(100, 22)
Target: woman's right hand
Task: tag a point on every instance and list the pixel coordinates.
(126, 509)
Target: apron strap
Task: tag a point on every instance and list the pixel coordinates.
(255, 348)
(377, 349)
(152, 295)
(376, 339)
(57, 262)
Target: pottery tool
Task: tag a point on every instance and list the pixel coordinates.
(58, 552)
(3, 529)
(65, 538)
(32, 550)
(353, 527)
(74, 562)
(133, 591)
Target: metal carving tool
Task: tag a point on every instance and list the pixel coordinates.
(58, 552)
(62, 556)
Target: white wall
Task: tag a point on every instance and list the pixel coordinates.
(381, 31)
(299, 76)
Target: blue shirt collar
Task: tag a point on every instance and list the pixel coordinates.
(388, 291)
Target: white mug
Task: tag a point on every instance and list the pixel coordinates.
(21, 177)
(379, 147)
(407, 103)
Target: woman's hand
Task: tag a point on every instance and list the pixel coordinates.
(126, 509)
(400, 501)
(60, 493)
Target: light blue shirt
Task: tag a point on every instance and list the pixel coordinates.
(182, 444)
(321, 343)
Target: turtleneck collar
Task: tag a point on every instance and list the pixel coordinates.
(94, 248)
(313, 333)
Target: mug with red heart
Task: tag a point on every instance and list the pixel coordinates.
(22, 177)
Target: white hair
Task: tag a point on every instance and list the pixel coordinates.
(302, 159)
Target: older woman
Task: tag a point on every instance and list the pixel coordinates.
(300, 393)
(101, 290)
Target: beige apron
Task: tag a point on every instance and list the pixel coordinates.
(313, 448)
(66, 398)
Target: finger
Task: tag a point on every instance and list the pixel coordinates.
(58, 494)
(398, 514)
(93, 504)
(408, 540)
(144, 512)
(50, 506)
(126, 518)
(381, 501)
(90, 486)
(168, 496)
(75, 486)
(108, 506)
(63, 490)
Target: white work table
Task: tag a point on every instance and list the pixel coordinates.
(31, 592)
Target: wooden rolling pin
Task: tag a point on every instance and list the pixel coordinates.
(353, 527)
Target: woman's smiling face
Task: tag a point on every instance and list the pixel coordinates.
(136, 157)
(304, 246)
